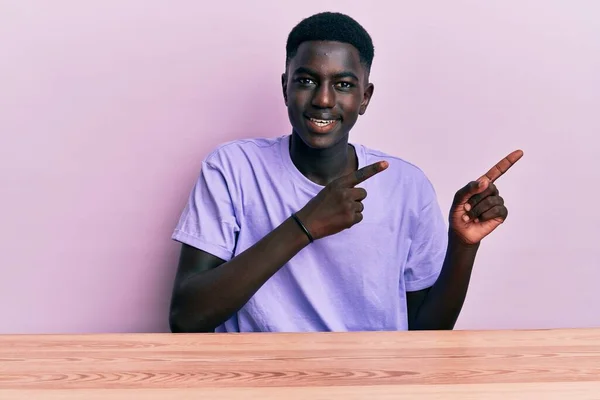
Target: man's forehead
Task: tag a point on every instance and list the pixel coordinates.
(327, 54)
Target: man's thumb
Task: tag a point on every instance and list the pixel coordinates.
(482, 184)
(470, 190)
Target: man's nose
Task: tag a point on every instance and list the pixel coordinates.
(324, 97)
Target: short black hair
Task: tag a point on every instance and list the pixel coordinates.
(331, 26)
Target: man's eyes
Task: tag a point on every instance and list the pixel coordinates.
(344, 85)
(308, 82)
(305, 81)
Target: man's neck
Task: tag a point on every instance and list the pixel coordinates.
(323, 165)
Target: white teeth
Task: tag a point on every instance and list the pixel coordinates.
(322, 122)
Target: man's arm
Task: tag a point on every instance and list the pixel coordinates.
(438, 307)
(208, 290)
(477, 210)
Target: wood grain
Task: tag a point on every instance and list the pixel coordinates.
(461, 364)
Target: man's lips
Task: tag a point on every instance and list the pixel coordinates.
(322, 124)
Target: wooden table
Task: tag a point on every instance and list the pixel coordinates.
(542, 364)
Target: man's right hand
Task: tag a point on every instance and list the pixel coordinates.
(338, 205)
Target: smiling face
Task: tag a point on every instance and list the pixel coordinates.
(325, 89)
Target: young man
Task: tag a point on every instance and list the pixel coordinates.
(307, 232)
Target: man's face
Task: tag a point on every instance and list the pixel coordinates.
(325, 89)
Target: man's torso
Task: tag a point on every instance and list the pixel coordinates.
(353, 280)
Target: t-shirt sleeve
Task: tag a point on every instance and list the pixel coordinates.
(428, 247)
(208, 221)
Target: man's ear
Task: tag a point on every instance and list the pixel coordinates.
(284, 87)
(366, 98)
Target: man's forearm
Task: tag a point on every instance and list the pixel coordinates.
(206, 300)
(442, 305)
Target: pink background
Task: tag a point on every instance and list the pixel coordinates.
(108, 107)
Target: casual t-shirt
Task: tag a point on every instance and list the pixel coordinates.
(355, 280)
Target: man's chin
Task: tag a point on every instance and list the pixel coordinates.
(320, 141)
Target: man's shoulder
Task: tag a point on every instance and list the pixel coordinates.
(239, 149)
(402, 179)
(399, 167)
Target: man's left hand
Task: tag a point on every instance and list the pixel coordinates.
(478, 208)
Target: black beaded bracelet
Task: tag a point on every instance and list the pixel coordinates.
(310, 238)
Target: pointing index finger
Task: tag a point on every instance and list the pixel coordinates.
(364, 173)
(503, 165)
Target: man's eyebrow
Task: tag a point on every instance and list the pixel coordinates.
(305, 70)
(346, 74)
(339, 75)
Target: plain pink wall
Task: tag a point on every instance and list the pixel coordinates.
(108, 107)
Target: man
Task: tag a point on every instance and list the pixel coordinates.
(307, 232)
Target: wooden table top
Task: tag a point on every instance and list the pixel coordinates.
(538, 364)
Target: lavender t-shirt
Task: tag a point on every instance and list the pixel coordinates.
(355, 280)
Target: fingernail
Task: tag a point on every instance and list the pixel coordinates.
(476, 220)
(467, 207)
(465, 218)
